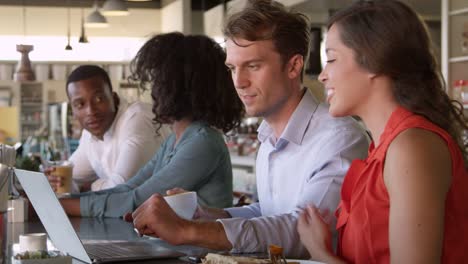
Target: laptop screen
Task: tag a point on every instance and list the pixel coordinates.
(51, 213)
(64, 237)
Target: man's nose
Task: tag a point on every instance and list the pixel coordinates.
(240, 79)
(91, 109)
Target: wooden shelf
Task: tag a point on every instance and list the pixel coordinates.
(458, 12)
(454, 60)
(459, 59)
(31, 123)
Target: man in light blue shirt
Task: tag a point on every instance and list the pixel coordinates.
(305, 165)
(304, 152)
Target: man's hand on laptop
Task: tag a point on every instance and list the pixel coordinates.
(156, 218)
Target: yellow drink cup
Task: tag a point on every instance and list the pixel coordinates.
(64, 170)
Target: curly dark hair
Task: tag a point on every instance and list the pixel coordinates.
(188, 79)
(389, 38)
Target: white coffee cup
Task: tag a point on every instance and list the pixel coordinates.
(183, 204)
(33, 242)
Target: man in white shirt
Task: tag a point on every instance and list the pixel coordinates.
(118, 138)
(304, 152)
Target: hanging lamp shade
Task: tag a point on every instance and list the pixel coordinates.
(96, 19)
(68, 46)
(83, 38)
(114, 8)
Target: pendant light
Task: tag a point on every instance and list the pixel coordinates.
(83, 38)
(68, 47)
(96, 19)
(114, 8)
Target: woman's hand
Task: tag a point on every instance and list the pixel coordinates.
(315, 235)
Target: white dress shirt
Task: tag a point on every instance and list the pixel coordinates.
(127, 145)
(306, 165)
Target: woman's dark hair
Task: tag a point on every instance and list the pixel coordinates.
(389, 38)
(188, 79)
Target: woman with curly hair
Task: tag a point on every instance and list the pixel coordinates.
(405, 203)
(193, 91)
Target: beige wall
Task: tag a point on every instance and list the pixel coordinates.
(213, 21)
(176, 16)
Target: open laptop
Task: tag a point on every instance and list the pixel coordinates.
(64, 237)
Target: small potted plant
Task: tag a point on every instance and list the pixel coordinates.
(41, 257)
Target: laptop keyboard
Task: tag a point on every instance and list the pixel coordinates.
(117, 250)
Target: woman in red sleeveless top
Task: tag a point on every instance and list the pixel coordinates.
(405, 203)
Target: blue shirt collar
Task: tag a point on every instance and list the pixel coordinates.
(297, 124)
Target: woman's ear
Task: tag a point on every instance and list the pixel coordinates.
(295, 66)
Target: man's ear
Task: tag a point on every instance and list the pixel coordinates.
(295, 66)
(116, 98)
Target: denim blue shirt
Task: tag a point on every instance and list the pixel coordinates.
(305, 165)
(199, 162)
